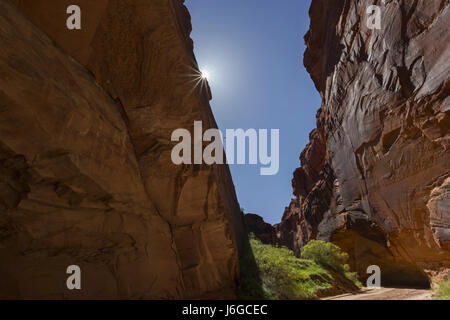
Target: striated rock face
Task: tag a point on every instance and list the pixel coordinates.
(262, 230)
(374, 178)
(85, 171)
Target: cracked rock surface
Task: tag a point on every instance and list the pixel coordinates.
(374, 178)
(86, 176)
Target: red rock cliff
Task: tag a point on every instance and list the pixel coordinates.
(261, 229)
(375, 177)
(86, 176)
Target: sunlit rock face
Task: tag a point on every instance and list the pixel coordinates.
(374, 178)
(86, 175)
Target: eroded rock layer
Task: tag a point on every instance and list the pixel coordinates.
(259, 228)
(374, 178)
(86, 175)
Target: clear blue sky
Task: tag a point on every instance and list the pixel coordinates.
(253, 50)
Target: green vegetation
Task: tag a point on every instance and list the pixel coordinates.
(329, 255)
(443, 293)
(278, 274)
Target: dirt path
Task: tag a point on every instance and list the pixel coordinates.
(386, 294)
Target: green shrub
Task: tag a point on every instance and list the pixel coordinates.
(268, 272)
(443, 292)
(326, 254)
(329, 255)
(281, 275)
(353, 277)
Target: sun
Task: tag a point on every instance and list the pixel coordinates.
(200, 78)
(204, 74)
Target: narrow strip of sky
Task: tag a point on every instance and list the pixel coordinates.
(252, 51)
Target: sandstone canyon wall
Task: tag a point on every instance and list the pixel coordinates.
(262, 230)
(375, 178)
(86, 175)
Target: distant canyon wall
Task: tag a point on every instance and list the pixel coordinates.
(86, 174)
(375, 177)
